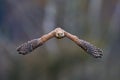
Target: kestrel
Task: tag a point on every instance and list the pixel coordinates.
(59, 33)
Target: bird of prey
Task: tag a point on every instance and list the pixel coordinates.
(59, 33)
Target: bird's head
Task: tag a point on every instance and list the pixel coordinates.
(59, 33)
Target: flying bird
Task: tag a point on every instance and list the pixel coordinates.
(59, 33)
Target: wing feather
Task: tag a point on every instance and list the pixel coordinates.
(29, 46)
(86, 46)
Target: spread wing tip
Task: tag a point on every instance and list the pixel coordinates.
(28, 47)
(90, 49)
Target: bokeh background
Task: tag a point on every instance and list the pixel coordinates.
(96, 21)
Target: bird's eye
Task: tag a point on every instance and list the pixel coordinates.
(62, 34)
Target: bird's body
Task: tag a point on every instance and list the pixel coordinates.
(59, 34)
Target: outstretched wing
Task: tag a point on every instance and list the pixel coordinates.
(59, 33)
(29, 46)
(86, 46)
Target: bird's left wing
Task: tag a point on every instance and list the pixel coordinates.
(86, 46)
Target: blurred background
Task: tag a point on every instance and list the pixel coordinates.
(96, 21)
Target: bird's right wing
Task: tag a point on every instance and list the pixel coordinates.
(29, 46)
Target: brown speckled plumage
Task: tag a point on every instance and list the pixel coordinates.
(90, 49)
(59, 34)
(28, 46)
